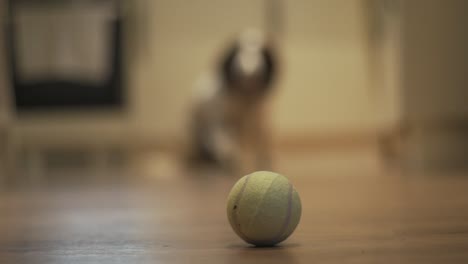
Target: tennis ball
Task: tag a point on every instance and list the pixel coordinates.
(263, 208)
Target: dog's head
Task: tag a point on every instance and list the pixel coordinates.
(249, 67)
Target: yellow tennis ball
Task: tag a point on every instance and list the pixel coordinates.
(263, 208)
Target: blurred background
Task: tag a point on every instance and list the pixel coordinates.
(107, 85)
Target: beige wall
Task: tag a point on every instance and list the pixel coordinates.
(326, 83)
(324, 88)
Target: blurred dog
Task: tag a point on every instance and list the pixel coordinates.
(229, 122)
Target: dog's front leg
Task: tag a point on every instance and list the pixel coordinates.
(226, 149)
(263, 157)
(259, 141)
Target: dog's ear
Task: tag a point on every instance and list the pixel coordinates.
(226, 67)
(269, 70)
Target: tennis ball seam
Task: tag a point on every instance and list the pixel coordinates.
(252, 219)
(285, 225)
(288, 214)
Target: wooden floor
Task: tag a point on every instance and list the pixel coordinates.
(352, 213)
